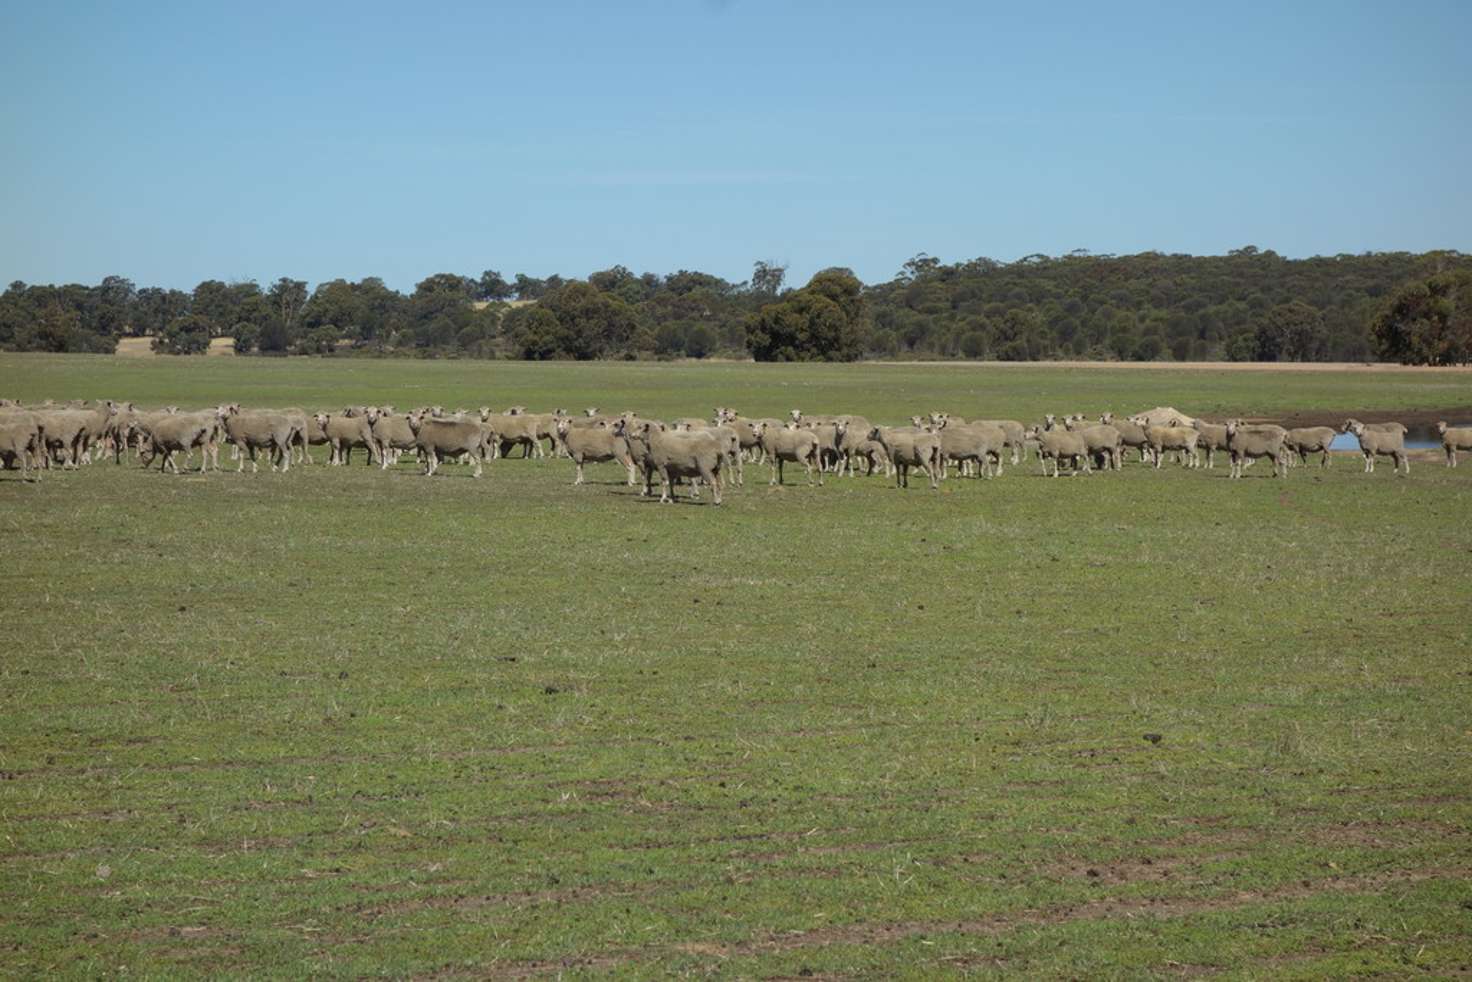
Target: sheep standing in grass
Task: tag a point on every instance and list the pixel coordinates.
(21, 440)
(595, 444)
(1249, 443)
(909, 447)
(1132, 435)
(1454, 438)
(695, 456)
(345, 432)
(1304, 440)
(1382, 443)
(1213, 437)
(1058, 443)
(272, 432)
(782, 445)
(454, 438)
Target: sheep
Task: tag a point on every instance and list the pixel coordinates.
(631, 428)
(71, 431)
(693, 455)
(1016, 436)
(1382, 427)
(972, 442)
(345, 432)
(1248, 443)
(1212, 437)
(853, 443)
(1305, 440)
(907, 448)
(395, 434)
(436, 438)
(518, 430)
(1179, 438)
(595, 444)
(1382, 443)
(1055, 444)
(22, 439)
(830, 437)
(1454, 438)
(1131, 434)
(169, 433)
(780, 445)
(1105, 443)
(745, 434)
(253, 431)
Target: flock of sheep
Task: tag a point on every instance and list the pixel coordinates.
(693, 450)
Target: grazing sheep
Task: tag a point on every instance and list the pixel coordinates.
(1249, 443)
(975, 443)
(692, 455)
(455, 438)
(21, 439)
(1213, 437)
(345, 432)
(518, 430)
(256, 431)
(1016, 436)
(595, 444)
(70, 432)
(1105, 443)
(745, 433)
(169, 433)
(1382, 443)
(780, 445)
(906, 448)
(394, 434)
(830, 437)
(1132, 435)
(1305, 440)
(1454, 438)
(1056, 444)
(1382, 427)
(632, 429)
(1179, 438)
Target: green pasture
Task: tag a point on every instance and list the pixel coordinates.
(344, 722)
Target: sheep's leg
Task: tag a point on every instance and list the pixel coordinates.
(579, 478)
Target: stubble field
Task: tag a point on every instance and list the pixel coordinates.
(346, 722)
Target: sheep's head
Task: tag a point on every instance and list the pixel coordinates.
(564, 424)
(1441, 427)
(591, 411)
(795, 415)
(916, 421)
(1357, 428)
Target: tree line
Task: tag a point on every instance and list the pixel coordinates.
(1249, 305)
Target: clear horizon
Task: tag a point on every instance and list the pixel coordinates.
(172, 145)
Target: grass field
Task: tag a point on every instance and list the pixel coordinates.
(345, 722)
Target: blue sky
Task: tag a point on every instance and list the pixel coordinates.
(172, 143)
